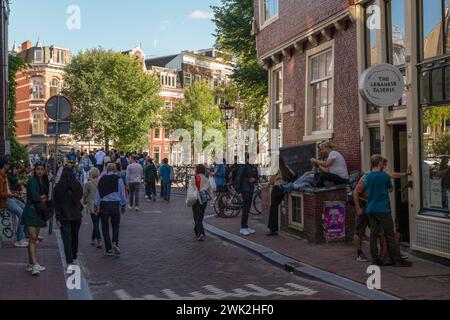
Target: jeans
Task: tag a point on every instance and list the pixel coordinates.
(248, 198)
(96, 230)
(16, 207)
(166, 190)
(69, 235)
(110, 211)
(150, 189)
(276, 197)
(378, 222)
(199, 214)
(135, 189)
(334, 178)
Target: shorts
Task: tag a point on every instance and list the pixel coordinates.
(361, 224)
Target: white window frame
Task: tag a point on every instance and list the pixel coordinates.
(160, 134)
(52, 86)
(34, 89)
(311, 135)
(272, 94)
(168, 105)
(291, 223)
(263, 22)
(35, 55)
(41, 124)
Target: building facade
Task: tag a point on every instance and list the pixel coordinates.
(35, 85)
(178, 72)
(4, 16)
(309, 49)
(414, 36)
(295, 41)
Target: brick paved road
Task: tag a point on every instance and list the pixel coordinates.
(161, 259)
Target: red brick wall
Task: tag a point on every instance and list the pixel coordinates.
(346, 108)
(295, 17)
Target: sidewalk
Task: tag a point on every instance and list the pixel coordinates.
(17, 284)
(424, 281)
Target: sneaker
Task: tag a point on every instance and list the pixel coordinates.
(149, 200)
(35, 271)
(201, 237)
(404, 256)
(137, 209)
(130, 207)
(146, 196)
(41, 238)
(109, 253)
(403, 263)
(244, 232)
(21, 244)
(362, 258)
(99, 244)
(115, 249)
(30, 268)
(250, 231)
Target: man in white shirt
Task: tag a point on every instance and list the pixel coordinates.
(135, 174)
(99, 158)
(334, 169)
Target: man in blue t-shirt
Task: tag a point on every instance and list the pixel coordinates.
(377, 184)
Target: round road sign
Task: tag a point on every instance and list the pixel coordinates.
(58, 102)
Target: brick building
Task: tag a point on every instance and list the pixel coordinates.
(35, 85)
(176, 73)
(356, 35)
(310, 51)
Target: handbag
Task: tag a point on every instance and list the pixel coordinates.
(44, 210)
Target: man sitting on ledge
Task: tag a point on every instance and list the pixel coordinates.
(334, 169)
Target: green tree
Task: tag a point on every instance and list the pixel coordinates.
(233, 19)
(113, 98)
(18, 152)
(198, 105)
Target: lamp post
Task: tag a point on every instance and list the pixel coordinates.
(227, 113)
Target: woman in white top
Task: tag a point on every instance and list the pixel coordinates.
(201, 183)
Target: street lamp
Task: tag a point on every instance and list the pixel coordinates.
(227, 113)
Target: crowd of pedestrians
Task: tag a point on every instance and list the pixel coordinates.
(67, 186)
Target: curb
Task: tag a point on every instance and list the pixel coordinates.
(301, 269)
(84, 294)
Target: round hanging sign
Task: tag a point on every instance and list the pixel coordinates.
(382, 85)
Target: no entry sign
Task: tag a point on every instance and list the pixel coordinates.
(58, 108)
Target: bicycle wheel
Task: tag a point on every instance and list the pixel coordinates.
(257, 204)
(216, 206)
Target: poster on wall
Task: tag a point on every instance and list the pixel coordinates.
(436, 193)
(334, 220)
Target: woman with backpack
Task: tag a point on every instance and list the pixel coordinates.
(37, 197)
(67, 200)
(200, 184)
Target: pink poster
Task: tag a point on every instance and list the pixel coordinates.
(334, 222)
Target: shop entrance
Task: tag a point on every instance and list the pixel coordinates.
(401, 185)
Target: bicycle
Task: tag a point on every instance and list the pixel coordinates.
(257, 201)
(227, 204)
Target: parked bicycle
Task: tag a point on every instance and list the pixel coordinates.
(228, 204)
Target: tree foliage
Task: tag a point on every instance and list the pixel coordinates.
(198, 105)
(114, 99)
(233, 19)
(18, 153)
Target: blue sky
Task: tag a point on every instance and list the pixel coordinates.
(162, 26)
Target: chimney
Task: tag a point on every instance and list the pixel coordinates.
(26, 45)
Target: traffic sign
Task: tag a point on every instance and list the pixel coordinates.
(54, 128)
(58, 108)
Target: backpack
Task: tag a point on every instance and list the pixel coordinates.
(123, 163)
(353, 181)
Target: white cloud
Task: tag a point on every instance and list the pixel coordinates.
(199, 14)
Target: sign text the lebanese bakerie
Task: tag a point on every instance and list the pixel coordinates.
(382, 85)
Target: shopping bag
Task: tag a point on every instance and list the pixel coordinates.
(192, 195)
(212, 183)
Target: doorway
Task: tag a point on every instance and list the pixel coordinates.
(400, 145)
